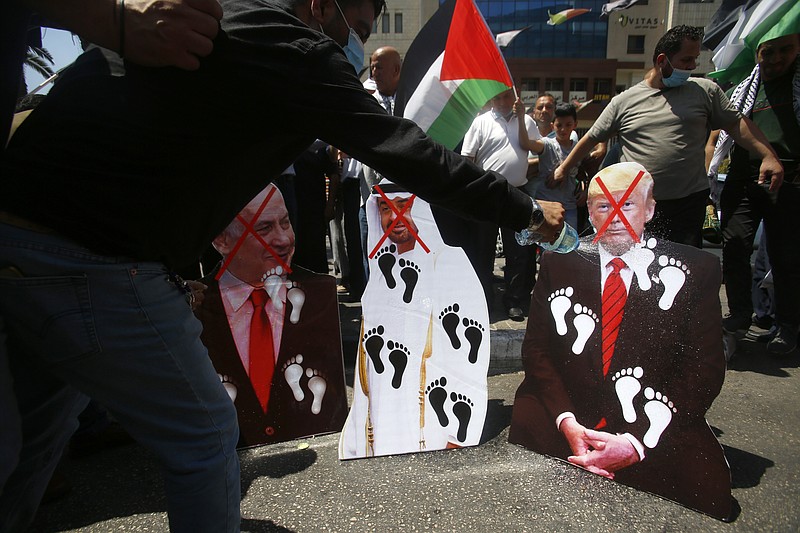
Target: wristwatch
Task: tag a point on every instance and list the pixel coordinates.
(537, 217)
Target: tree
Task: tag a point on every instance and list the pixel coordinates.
(41, 61)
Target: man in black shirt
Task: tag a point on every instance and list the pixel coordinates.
(773, 102)
(125, 172)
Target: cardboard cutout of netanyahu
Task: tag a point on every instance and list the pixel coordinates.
(420, 380)
(272, 329)
(623, 354)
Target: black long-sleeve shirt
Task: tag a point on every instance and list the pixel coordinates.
(152, 163)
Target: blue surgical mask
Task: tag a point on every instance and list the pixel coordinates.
(354, 50)
(677, 78)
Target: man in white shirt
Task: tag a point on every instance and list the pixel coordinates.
(384, 68)
(492, 141)
(623, 354)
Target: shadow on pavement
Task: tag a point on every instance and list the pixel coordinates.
(498, 418)
(747, 469)
(114, 484)
(262, 526)
(276, 466)
(752, 356)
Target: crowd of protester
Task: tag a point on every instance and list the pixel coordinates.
(140, 174)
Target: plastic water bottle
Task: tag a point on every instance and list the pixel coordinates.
(566, 242)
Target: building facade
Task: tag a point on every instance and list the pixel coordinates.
(398, 26)
(634, 32)
(587, 58)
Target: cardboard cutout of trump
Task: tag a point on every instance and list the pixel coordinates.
(623, 354)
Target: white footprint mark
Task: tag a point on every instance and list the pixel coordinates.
(317, 385)
(673, 276)
(659, 411)
(292, 372)
(272, 284)
(229, 387)
(297, 298)
(627, 386)
(643, 259)
(559, 305)
(585, 321)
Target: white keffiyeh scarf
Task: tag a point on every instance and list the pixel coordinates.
(743, 99)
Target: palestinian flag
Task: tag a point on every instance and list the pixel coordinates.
(762, 21)
(617, 5)
(562, 16)
(723, 21)
(451, 70)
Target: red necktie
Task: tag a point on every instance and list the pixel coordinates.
(262, 353)
(614, 296)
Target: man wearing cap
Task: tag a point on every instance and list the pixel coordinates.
(623, 354)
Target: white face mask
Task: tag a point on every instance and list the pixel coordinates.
(354, 49)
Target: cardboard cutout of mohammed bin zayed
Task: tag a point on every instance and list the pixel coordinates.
(272, 329)
(623, 354)
(420, 380)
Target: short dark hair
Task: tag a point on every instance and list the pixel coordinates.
(379, 5)
(566, 110)
(671, 42)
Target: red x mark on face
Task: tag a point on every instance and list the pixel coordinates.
(250, 228)
(398, 218)
(617, 208)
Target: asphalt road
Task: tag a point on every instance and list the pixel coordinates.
(496, 486)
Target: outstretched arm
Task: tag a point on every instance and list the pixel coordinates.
(525, 142)
(152, 33)
(577, 155)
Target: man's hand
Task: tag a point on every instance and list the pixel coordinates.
(559, 174)
(170, 32)
(772, 170)
(598, 153)
(197, 295)
(519, 107)
(579, 443)
(156, 33)
(575, 434)
(553, 220)
(608, 453)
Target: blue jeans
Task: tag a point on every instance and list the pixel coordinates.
(80, 325)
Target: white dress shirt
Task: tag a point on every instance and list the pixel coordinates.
(239, 310)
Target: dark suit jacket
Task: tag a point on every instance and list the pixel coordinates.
(679, 350)
(316, 336)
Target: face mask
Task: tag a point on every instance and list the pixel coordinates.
(354, 50)
(677, 78)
